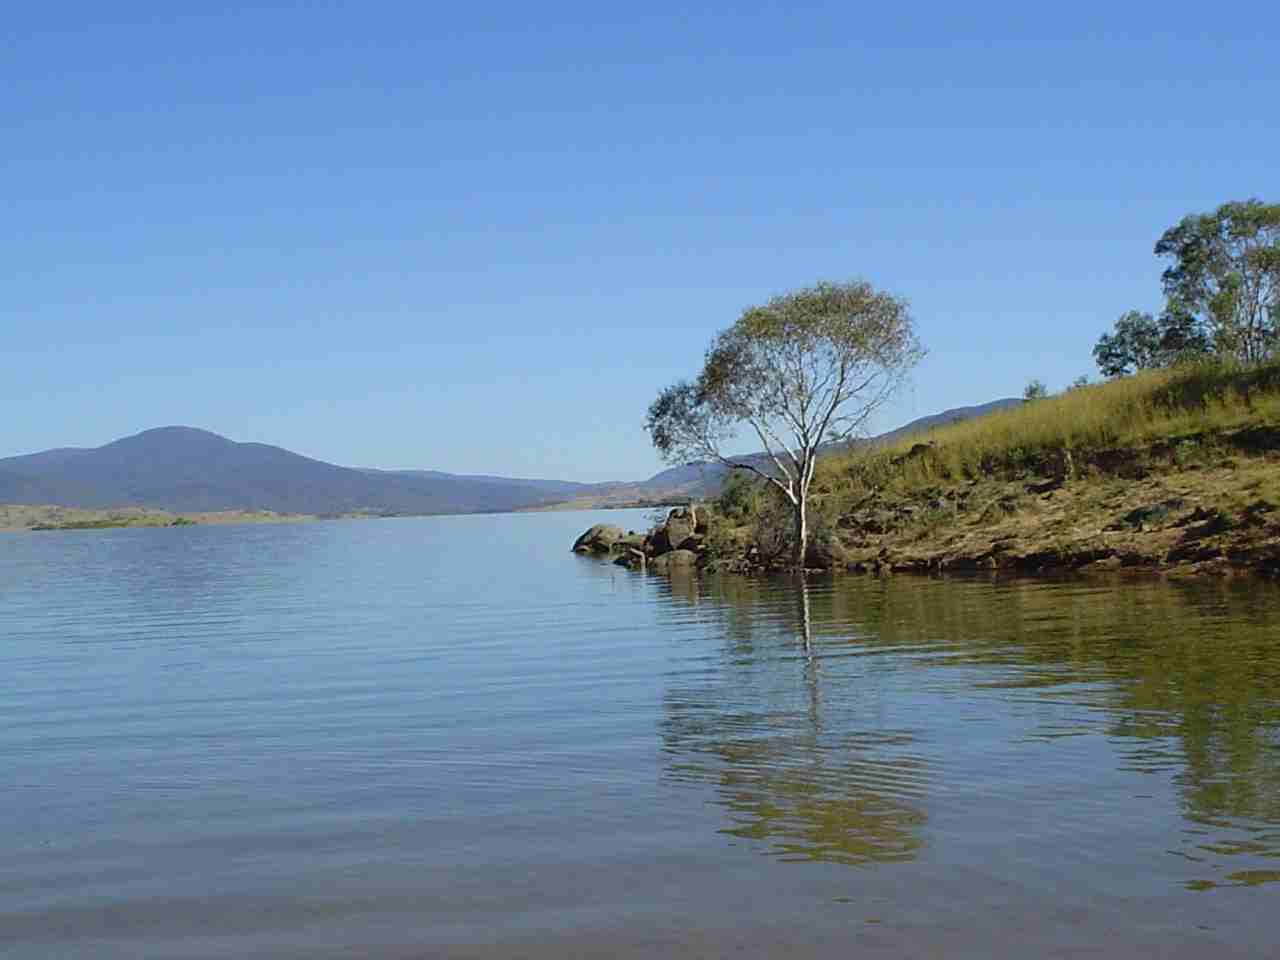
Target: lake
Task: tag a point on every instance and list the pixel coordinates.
(450, 737)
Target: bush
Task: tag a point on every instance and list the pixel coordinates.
(739, 496)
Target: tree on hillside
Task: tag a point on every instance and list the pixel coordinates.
(1226, 269)
(1035, 390)
(807, 368)
(1140, 342)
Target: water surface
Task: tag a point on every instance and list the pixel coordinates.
(451, 737)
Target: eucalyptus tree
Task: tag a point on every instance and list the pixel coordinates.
(1226, 269)
(806, 369)
(1140, 342)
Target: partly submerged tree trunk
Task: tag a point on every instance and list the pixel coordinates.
(806, 624)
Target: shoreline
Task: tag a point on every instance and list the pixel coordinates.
(48, 518)
(1205, 506)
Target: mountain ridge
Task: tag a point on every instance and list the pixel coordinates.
(183, 468)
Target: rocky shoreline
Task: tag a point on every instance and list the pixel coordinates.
(679, 542)
(1217, 519)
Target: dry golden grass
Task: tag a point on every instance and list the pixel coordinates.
(1131, 412)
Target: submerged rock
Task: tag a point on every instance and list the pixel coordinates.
(674, 560)
(676, 543)
(599, 539)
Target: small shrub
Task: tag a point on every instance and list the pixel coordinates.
(739, 496)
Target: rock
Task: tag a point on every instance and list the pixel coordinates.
(873, 521)
(1145, 516)
(1192, 553)
(917, 450)
(1255, 514)
(1045, 486)
(675, 559)
(693, 543)
(1124, 463)
(632, 541)
(1215, 522)
(825, 553)
(672, 534)
(598, 539)
(630, 557)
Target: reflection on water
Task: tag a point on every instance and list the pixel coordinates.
(1179, 680)
(810, 787)
(453, 737)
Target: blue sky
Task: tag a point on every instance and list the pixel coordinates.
(480, 237)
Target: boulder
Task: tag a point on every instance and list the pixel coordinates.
(599, 539)
(632, 541)
(629, 558)
(1146, 517)
(672, 534)
(675, 559)
(825, 553)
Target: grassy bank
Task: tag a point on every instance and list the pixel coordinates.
(1196, 404)
(1166, 469)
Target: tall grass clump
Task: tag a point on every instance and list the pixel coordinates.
(1126, 412)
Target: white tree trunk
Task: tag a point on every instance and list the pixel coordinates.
(802, 530)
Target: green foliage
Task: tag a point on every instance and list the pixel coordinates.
(738, 496)
(1226, 270)
(1140, 342)
(771, 527)
(1035, 390)
(811, 366)
(806, 368)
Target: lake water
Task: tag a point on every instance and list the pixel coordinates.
(450, 737)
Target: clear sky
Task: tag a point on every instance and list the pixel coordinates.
(478, 237)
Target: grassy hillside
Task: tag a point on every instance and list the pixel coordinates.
(1169, 468)
(1197, 404)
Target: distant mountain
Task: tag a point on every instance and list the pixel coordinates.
(955, 415)
(185, 469)
(552, 488)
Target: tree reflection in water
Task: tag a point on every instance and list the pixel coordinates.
(793, 721)
(847, 794)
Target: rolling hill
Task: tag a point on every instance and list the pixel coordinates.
(187, 469)
(183, 468)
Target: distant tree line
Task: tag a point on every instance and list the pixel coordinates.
(1222, 294)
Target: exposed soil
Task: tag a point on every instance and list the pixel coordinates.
(1219, 518)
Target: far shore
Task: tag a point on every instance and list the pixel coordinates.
(21, 518)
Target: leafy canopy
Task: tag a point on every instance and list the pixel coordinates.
(1140, 342)
(1226, 270)
(805, 368)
